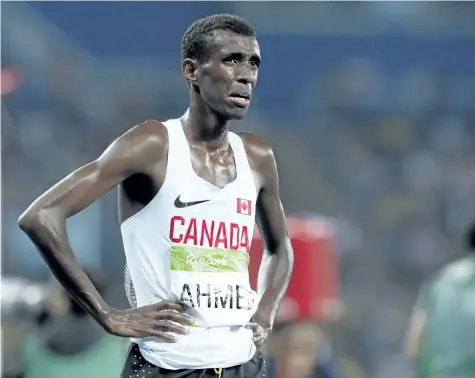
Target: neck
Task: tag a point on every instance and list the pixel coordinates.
(203, 125)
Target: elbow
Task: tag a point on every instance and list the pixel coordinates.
(283, 252)
(285, 257)
(32, 221)
(43, 228)
(289, 252)
(29, 221)
(289, 258)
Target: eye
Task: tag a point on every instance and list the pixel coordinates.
(254, 63)
(231, 60)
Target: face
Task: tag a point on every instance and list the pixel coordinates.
(294, 359)
(227, 77)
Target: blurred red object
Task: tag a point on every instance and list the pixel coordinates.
(10, 79)
(314, 288)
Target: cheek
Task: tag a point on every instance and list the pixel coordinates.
(220, 76)
(215, 85)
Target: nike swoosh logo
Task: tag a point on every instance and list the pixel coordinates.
(181, 205)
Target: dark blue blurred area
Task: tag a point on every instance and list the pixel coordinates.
(154, 29)
(127, 28)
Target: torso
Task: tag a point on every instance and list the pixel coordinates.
(218, 168)
(449, 341)
(197, 255)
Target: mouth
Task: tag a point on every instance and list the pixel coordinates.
(241, 98)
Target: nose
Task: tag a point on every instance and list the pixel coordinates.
(244, 74)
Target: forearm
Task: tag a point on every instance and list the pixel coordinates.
(49, 235)
(273, 280)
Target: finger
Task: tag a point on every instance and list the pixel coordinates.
(168, 305)
(174, 316)
(160, 334)
(179, 318)
(168, 326)
(168, 338)
(150, 332)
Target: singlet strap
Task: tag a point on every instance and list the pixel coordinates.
(178, 148)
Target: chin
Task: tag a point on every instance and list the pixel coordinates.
(235, 113)
(230, 113)
(238, 116)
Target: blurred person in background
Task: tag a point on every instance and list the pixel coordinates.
(300, 350)
(441, 334)
(69, 343)
(178, 180)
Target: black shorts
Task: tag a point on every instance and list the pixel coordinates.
(137, 367)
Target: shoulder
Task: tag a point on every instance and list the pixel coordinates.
(149, 133)
(259, 153)
(460, 270)
(140, 146)
(137, 150)
(261, 160)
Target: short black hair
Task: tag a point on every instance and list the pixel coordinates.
(196, 38)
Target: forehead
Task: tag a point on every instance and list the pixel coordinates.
(227, 42)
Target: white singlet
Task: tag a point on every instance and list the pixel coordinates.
(191, 244)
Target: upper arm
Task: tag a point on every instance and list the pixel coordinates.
(270, 214)
(417, 323)
(415, 334)
(131, 153)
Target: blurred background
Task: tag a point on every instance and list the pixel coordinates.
(369, 108)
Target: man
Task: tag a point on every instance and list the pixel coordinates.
(301, 351)
(441, 335)
(189, 191)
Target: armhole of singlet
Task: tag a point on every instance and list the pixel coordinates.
(128, 282)
(171, 162)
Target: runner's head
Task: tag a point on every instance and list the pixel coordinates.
(220, 62)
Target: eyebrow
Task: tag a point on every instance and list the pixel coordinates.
(240, 55)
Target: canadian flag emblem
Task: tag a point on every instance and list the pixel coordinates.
(244, 206)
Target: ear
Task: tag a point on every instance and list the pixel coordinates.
(189, 67)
